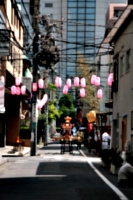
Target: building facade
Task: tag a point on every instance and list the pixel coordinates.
(120, 39)
(11, 67)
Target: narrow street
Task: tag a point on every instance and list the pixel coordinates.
(51, 175)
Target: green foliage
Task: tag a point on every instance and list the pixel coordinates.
(53, 112)
(66, 107)
(67, 101)
(42, 116)
(23, 123)
(24, 128)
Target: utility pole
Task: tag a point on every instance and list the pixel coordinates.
(46, 106)
(34, 6)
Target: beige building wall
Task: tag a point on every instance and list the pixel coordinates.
(123, 99)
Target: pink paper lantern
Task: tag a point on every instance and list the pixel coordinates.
(83, 82)
(65, 89)
(93, 78)
(17, 90)
(76, 81)
(68, 82)
(110, 79)
(58, 81)
(13, 90)
(3, 79)
(18, 80)
(23, 89)
(82, 92)
(99, 93)
(40, 83)
(97, 81)
(44, 99)
(34, 87)
(39, 106)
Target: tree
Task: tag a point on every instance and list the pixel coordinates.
(67, 107)
(90, 101)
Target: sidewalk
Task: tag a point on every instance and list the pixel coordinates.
(8, 151)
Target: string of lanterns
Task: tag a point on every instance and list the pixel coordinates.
(17, 90)
(95, 80)
(58, 83)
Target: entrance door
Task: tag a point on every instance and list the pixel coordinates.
(124, 132)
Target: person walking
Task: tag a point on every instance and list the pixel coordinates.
(80, 137)
(105, 140)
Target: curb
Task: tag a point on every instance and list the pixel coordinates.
(3, 161)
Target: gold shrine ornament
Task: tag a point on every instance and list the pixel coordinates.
(67, 119)
(91, 116)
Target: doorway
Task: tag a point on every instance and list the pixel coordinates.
(124, 132)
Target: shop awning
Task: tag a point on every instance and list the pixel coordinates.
(103, 113)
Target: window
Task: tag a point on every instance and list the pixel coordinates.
(117, 13)
(128, 60)
(115, 72)
(121, 65)
(48, 5)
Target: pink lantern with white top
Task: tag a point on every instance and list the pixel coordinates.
(65, 89)
(97, 81)
(93, 78)
(39, 106)
(68, 82)
(58, 81)
(99, 93)
(76, 81)
(82, 92)
(110, 79)
(17, 80)
(17, 90)
(45, 99)
(23, 89)
(83, 82)
(2, 79)
(34, 87)
(40, 83)
(13, 90)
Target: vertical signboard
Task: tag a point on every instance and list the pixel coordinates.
(52, 95)
(34, 114)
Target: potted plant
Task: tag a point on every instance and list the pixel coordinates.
(116, 161)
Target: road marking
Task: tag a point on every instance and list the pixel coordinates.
(115, 189)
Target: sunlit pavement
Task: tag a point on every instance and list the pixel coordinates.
(52, 175)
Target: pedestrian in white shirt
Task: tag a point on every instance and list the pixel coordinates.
(125, 174)
(105, 140)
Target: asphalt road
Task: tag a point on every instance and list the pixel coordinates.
(51, 175)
